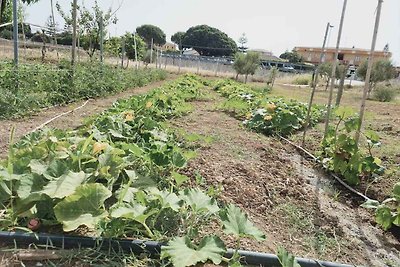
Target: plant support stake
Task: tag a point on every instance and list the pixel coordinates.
(369, 70)
(333, 74)
(314, 83)
(74, 15)
(15, 32)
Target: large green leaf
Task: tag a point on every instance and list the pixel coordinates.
(64, 185)
(136, 212)
(286, 259)
(199, 201)
(167, 199)
(384, 217)
(179, 178)
(236, 223)
(84, 207)
(183, 253)
(396, 192)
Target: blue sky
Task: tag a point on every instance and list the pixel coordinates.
(272, 25)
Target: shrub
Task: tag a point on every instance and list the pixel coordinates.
(6, 34)
(302, 80)
(384, 93)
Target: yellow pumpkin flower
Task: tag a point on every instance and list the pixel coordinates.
(271, 107)
(98, 147)
(268, 118)
(129, 116)
(149, 104)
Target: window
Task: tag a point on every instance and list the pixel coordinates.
(357, 59)
(341, 56)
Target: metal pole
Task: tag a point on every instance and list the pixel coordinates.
(314, 84)
(15, 31)
(369, 70)
(74, 15)
(334, 65)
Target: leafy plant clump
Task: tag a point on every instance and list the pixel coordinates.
(118, 176)
(36, 86)
(342, 155)
(387, 213)
(268, 115)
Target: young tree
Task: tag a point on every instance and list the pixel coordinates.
(90, 22)
(113, 46)
(177, 38)
(149, 32)
(246, 64)
(325, 71)
(272, 76)
(382, 70)
(252, 64)
(209, 41)
(243, 41)
(239, 64)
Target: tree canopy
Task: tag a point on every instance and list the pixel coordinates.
(90, 21)
(6, 9)
(292, 57)
(209, 41)
(177, 38)
(148, 32)
(382, 70)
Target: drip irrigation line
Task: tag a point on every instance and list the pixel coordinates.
(337, 178)
(153, 248)
(58, 116)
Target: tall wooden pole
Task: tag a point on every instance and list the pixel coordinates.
(101, 39)
(314, 83)
(333, 74)
(74, 19)
(369, 70)
(136, 54)
(15, 31)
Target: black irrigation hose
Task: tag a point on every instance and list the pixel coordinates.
(137, 247)
(337, 178)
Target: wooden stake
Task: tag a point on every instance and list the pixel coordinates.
(369, 70)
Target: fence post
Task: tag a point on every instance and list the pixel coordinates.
(198, 65)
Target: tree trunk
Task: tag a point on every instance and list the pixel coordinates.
(327, 84)
(245, 79)
(341, 87)
(237, 76)
(2, 9)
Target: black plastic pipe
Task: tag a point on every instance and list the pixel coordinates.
(152, 248)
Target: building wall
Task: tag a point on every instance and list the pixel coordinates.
(347, 56)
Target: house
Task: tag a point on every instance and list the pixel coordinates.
(351, 56)
(169, 47)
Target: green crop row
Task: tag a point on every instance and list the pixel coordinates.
(263, 113)
(36, 86)
(118, 176)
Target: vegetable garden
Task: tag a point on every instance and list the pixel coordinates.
(126, 173)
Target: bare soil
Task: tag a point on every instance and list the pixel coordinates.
(70, 121)
(295, 205)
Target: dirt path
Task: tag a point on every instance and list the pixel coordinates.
(295, 205)
(70, 121)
